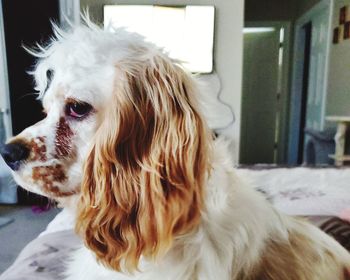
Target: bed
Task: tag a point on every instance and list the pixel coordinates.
(8, 190)
(319, 194)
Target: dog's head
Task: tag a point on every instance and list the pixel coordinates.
(74, 77)
(123, 127)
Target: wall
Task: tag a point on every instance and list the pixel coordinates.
(269, 10)
(338, 99)
(227, 49)
(302, 6)
(277, 10)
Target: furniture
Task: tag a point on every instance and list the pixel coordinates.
(318, 146)
(342, 126)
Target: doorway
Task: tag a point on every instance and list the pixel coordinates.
(307, 34)
(265, 93)
(25, 23)
(310, 77)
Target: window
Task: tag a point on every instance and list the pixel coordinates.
(186, 33)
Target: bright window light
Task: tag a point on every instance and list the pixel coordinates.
(186, 33)
(247, 30)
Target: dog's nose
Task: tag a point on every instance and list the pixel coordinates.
(14, 154)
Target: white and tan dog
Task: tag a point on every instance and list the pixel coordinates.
(159, 198)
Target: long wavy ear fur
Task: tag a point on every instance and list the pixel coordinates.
(143, 179)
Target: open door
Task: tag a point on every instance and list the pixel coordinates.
(25, 108)
(5, 115)
(262, 93)
(8, 190)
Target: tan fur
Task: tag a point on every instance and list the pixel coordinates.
(297, 258)
(38, 149)
(156, 194)
(145, 174)
(49, 176)
(63, 139)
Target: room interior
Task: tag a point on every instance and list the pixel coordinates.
(277, 85)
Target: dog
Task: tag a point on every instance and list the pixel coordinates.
(125, 144)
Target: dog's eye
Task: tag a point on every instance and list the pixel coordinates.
(49, 76)
(78, 110)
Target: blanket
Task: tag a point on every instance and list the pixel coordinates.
(317, 193)
(44, 258)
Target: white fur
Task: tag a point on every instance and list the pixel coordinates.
(235, 225)
(236, 220)
(224, 243)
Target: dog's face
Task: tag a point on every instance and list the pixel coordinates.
(124, 130)
(47, 158)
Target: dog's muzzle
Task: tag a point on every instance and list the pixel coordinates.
(14, 154)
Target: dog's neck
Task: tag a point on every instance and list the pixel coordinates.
(225, 237)
(223, 246)
(69, 203)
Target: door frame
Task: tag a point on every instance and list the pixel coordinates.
(69, 13)
(285, 82)
(5, 108)
(297, 76)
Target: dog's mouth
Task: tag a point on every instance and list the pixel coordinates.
(46, 180)
(50, 178)
(55, 193)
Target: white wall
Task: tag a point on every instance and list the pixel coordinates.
(338, 99)
(228, 49)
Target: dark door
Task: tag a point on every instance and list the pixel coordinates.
(305, 87)
(260, 96)
(25, 22)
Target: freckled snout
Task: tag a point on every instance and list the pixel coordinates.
(14, 154)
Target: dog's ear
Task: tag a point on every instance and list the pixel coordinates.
(143, 179)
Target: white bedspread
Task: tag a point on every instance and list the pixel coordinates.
(303, 191)
(295, 191)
